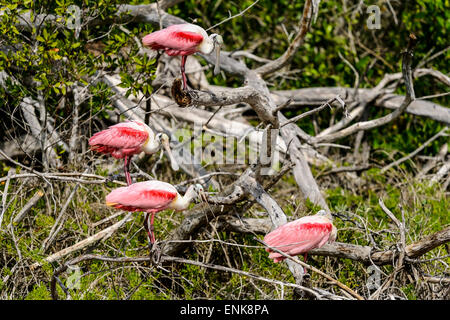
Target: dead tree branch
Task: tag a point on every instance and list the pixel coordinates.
(371, 124)
(277, 64)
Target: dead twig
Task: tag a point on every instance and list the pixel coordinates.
(308, 113)
(30, 204)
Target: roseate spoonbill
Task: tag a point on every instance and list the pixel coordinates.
(183, 40)
(125, 139)
(301, 235)
(151, 197)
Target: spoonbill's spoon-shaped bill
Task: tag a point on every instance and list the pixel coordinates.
(164, 138)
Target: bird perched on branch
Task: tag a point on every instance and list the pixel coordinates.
(126, 139)
(151, 197)
(184, 40)
(301, 236)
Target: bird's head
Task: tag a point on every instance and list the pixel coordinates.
(195, 191)
(200, 192)
(217, 39)
(162, 138)
(218, 42)
(198, 188)
(324, 213)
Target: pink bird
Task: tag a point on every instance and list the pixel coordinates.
(126, 139)
(151, 197)
(301, 236)
(184, 40)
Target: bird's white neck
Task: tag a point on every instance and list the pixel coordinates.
(151, 146)
(207, 45)
(182, 202)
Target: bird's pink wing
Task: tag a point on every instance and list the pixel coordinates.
(174, 40)
(138, 197)
(120, 136)
(298, 236)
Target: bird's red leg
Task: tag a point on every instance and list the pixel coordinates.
(183, 62)
(305, 256)
(127, 170)
(151, 228)
(146, 227)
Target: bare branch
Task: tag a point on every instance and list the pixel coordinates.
(232, 17)
(287, 56)
(31, 203)
(412, 154)
(308, 113)
(367, 125)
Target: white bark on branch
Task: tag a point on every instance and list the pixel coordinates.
(29, 114)
(371, 124)
(25, 144)
(412, 154)
(30, 204)
(318, 96)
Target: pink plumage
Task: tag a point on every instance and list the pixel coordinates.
(300, 236)
(149, 196)
(120, 140)
(174, 40)
(183, 40)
